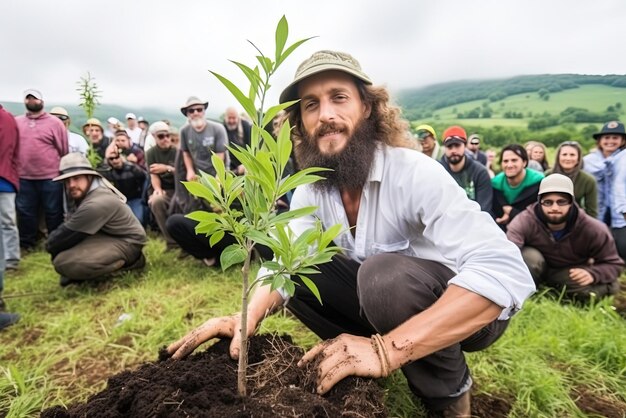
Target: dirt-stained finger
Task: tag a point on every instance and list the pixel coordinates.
(314, 352)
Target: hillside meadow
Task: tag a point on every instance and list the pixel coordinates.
(555, 360)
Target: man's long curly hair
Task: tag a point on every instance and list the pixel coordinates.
(390, 128)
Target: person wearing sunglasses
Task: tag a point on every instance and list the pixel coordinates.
(563, 247)
(161, 160)
(200, 138)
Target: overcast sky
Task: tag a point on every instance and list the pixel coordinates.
(156, 53)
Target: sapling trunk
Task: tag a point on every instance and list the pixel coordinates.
(243, 347)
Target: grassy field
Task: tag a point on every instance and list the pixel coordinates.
(555, 359)
(595, 98)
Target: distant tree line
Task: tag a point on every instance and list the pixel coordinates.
(573, 115)
(498, 136)
(420, 103)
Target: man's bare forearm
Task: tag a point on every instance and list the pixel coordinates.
(455, 316)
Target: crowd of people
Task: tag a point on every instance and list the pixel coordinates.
(439, 251)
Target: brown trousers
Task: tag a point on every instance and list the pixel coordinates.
(379, 295)
(559, 278)
(95, 256)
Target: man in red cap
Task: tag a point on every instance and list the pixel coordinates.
(467, 172)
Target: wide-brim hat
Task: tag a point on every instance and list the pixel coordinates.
(93, 122)
(611, 128)
(323, 61)
(192, 101)
(75, 164)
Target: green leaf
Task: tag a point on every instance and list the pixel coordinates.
(216, 237)
(271, 265)
(282, 32)
(278, 281)
(202, 216)
(265, 63)
(220, 170)
(329, 235)
(233, 254)
(290, 287)
(298, 179)
(246, 103)
(284, 147)
(292, 48)
(309, 283)
(199, 190)
(271, 113)
(293, 214)
(261, 238)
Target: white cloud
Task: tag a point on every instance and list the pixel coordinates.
(157, 53)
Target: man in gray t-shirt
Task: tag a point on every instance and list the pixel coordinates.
(200, 138)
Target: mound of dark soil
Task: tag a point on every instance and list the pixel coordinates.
(204, 385)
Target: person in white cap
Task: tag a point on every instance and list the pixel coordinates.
(100, 235)
(113, 124)
(43, 141)
(424, 274)
(200, 138)
(133, 129)
(76, 142)
(565, 248)
(161, 162)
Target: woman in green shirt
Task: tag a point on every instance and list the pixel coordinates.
(569, 162)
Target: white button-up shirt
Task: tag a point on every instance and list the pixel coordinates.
(410, 205)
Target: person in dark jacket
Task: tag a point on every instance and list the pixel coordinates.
(564, 247)
(515, 187)
(471, 175)
(130, 179)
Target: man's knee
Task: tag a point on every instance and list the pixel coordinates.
(535, 262)
(393, 287)
(158, 202)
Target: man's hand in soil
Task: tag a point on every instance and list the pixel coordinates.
(346, 355)
(222, 327)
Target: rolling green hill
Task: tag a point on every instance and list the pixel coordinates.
(420, 103)
(574, 112)
(595, 98)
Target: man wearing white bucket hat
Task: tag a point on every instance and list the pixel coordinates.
(100, 235)
(564, 247)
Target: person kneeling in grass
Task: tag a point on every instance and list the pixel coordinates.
(563, 246)
(100, 235)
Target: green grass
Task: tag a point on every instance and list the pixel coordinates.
(70, 341)
(593, 97)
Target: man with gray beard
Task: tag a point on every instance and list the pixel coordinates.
(199, 139)
(238, 131)
(424, 276)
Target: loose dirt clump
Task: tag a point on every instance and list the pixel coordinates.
(595, 404)
(491, 406)
(204, 385)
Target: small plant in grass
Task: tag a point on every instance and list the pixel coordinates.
(89, 101)
(254, 219)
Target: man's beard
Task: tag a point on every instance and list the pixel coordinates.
(34, 107)
(197, 123)
(556, 219)
(350, 166)
(455, 159)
